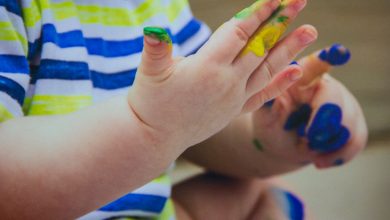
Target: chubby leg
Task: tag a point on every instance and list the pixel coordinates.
(210, 196)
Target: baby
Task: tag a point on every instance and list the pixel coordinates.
(59, 57)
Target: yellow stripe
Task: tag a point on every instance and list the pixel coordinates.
(8, 33)
(5, 114)
(163, 179)
(168, 212)
(56, 104)
(109, 16)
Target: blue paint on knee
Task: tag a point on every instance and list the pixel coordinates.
(326, 122)
(296, 207)
(326, 133)
(299, 117)
(336, 56)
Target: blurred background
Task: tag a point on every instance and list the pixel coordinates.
(361, 189)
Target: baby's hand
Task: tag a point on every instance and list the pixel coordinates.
(184, 101)
(317, 120)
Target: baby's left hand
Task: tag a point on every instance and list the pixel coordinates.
(317, 120)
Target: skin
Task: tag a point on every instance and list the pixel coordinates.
(70, 171)
(233, 153)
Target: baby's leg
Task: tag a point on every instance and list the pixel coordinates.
(211, 196)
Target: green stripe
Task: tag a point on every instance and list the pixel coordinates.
(108, 16)
(57, 104)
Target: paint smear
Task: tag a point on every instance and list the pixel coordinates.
(158, 33)
(246, 12)
(336, 55)
(258, 145)
(267, 36)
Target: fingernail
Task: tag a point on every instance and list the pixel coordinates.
(338, 162)
(295, 75)
(156, 34)
(299, 5)
(308, 36)
(291, 205)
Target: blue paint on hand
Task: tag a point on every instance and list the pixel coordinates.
(270, 103)
(298, 118)
(294, 63)
(337, 55)
(326, 134)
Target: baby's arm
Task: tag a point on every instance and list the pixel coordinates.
(65, 166)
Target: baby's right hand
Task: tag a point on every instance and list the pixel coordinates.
(186, 100)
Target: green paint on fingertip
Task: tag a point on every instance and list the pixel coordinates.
(258, 145)
(246, 12)
(158, 33)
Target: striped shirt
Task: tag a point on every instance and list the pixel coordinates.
(58, 56)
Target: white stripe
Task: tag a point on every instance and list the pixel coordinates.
(130, 5)
(11, 48)
(97, 215)
(11, 104)
(21, 78)
(118, 64)
(63, 87)
(196, 40)
(52, 51)
(100, 95)
(156, 189)
(62, 26)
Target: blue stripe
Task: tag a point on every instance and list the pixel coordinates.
(11, 6)
(54, 69)
(296, 207)
(113, 81)
(107, 48)
(13, 89)
(148, 203)
(13, 64)
(73, 38)
(188, 31)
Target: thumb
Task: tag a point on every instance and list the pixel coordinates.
(157, 53)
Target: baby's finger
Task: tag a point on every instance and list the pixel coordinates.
(281, 56)
(278, 85)
(229, 39)
(316, 65)
(268, 35)
(321, 62)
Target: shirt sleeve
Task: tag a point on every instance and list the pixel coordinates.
(14, 65)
